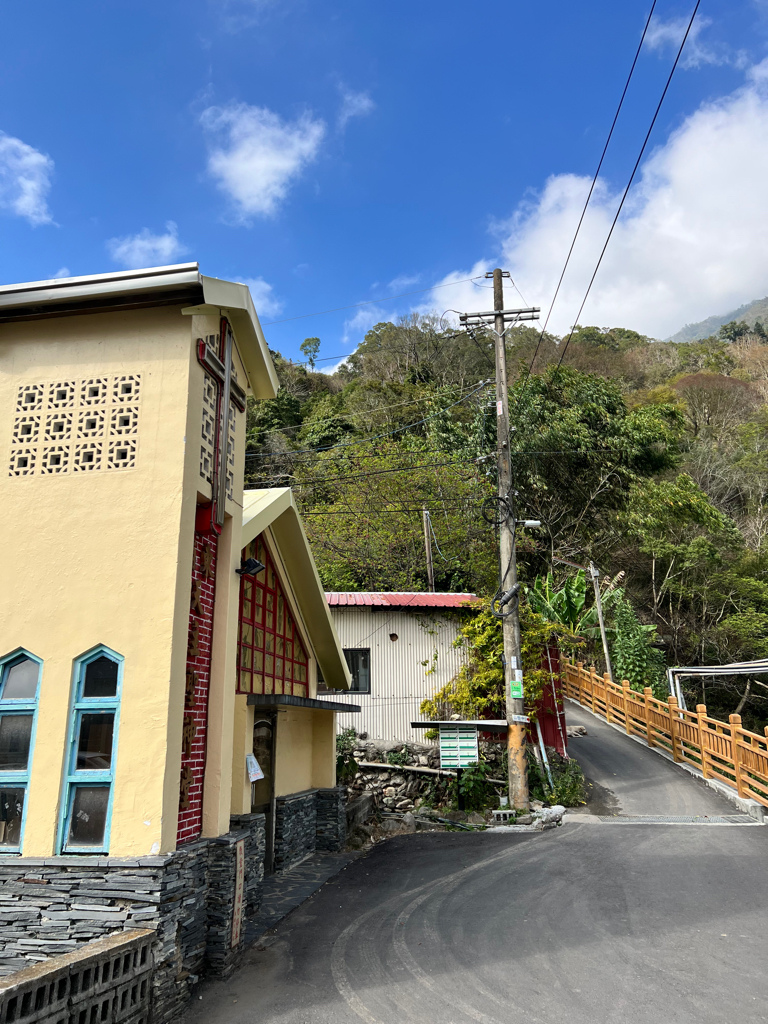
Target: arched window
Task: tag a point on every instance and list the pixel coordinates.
(19, 688)
(91, 753)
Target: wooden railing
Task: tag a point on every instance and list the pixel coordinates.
(720, 750)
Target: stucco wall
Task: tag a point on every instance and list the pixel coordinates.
(104, 557)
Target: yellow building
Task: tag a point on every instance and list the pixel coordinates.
(138, 666)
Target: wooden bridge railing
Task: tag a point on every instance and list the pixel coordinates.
(721, 750)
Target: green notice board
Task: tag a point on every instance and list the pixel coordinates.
(516, 683)
(458, 745)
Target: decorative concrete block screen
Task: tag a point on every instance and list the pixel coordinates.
(104, 982)
(76, 426)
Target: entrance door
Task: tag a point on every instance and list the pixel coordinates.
(263, 791)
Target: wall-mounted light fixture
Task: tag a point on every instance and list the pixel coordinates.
(249, 567)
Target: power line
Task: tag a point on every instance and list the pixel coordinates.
(631, 178)
(321, 458)
(388, 511)
(589, 196)
(369, 302)
(360, 412)
(388, 433)
(383, 472)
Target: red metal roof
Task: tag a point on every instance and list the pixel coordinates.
(349, 599)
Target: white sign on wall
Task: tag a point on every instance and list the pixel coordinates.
(458, 745)
(254, 769)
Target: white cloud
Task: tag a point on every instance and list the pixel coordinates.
(256, 157)
(403, 281)
(354, 104)
(264, 299)
(666, 36)
(358, 325)
(25, 180)
(237, 15)
(147, 250)
(61, 272)
(691, 241)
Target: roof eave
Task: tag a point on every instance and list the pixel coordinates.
(276, 509)
(179, 284)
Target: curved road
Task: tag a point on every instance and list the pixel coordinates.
(586, 924)
(628, 778)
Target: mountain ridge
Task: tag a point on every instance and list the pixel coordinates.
(749, 312)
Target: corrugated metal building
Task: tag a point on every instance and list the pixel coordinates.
(399, 648)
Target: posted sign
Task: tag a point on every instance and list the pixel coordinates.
(458, 745)
(516, 683)
(254, 770)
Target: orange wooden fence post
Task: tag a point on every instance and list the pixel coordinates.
(592, 683)
(735, 722)
(648, 692)
(579, 670)
(701, 711)
(625, 694)
(673, 720)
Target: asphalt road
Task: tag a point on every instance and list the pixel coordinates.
(579, 925)
(629, 778)
(590, 923)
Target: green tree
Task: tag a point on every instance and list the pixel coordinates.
(734, 330)
(310, 347)
(633, 655)
(577, 449)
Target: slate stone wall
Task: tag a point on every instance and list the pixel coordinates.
(331, 823)
(53, 905)
(253, 825)
(295, 828)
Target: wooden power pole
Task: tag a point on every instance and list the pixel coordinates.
(428, 549)
(510, 624)
(507, 602)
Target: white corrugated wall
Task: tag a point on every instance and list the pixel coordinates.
(403, 671)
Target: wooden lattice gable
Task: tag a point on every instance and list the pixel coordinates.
(271, 655)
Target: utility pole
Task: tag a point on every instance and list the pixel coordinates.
(508, 585)
(428, 549)
(513, 664)
(594, 572)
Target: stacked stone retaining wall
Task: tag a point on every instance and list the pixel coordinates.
(396, 790)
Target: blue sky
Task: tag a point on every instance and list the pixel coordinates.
(338, 152)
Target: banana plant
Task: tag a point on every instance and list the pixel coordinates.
(568, 604)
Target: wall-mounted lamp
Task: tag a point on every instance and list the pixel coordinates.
(249, 567)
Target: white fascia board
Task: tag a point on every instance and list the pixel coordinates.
(234, 301)
(70, 289)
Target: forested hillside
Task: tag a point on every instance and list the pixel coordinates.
(749, 313)
(649, 457)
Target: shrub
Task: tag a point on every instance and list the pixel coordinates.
(475, 788)
(346, 765)
(397, 757)
(567, 778)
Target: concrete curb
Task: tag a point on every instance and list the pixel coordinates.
(745, 805)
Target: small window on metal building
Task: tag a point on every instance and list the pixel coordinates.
(359, 664)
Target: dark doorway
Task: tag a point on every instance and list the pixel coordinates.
(263, 791)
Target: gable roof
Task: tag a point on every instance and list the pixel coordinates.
(275, 508)
(180, 283)
(392, 599)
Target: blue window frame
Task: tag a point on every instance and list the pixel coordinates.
(91, 752)
(19, 689)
